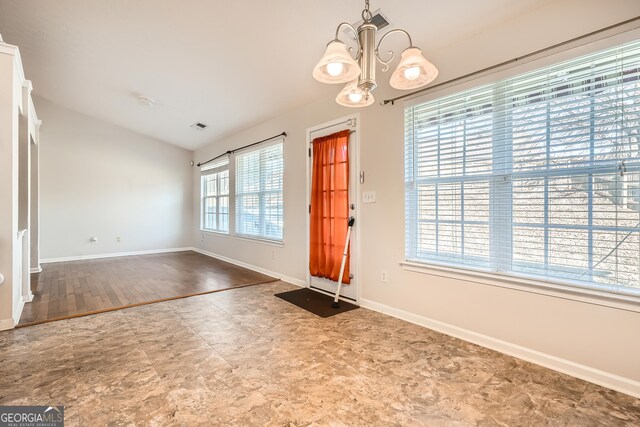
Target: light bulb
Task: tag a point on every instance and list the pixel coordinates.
(334, 68)
(355, 97)
(412, 73)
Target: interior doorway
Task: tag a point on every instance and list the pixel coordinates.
(351, 291)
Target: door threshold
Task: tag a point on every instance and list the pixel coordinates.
(332, 294)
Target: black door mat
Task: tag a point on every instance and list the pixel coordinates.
(315, 302)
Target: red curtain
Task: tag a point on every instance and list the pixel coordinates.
(329, 205)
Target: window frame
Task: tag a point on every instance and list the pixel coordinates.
(217, 172)
(628, 299)
(261, 194)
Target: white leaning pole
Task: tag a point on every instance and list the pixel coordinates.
(336, 299)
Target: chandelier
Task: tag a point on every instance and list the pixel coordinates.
(338, 66)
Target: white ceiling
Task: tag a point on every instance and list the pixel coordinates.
(229, 64)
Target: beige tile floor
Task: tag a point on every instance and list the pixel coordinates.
(243, 357)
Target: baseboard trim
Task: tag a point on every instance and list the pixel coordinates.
(114, 255)
(37, 269)
(268, 272)
(18, 313)
(596, 376)
(28, 297)
(6, 324)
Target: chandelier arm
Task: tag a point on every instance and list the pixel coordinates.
(355, 33)
(390, 53)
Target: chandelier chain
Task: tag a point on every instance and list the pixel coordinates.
(366, 13)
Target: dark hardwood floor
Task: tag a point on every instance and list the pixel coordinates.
(77, 288)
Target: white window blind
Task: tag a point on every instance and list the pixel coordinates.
(215, 196)
(259, 194)
(535, 175)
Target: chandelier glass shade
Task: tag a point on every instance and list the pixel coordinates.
(352, 96)
(413, 71)
(339, 66)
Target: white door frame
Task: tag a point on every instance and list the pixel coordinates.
(354, 162)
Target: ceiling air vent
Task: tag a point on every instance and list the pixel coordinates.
(379, 21)
(199, 126)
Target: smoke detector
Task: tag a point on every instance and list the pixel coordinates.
(145, 101)
(199, 126)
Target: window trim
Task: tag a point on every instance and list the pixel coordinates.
(215, 233)
(270, 242)
(203, 174)
(581, 292)
(259, 194)
(629, 301)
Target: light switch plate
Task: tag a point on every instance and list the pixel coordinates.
(369, 197)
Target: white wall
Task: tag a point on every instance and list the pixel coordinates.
(596, 342)
(97, 179)
(289, 257)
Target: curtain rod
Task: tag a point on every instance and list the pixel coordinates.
(242, 148)
(510, 61)
(350, 122)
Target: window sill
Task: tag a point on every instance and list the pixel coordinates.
(279, 243)
(629, 302)
(215, 233)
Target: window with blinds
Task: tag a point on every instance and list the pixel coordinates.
(536, 175)
(215, 196)
(259, 195)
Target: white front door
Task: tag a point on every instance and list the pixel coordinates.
(349, 291)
